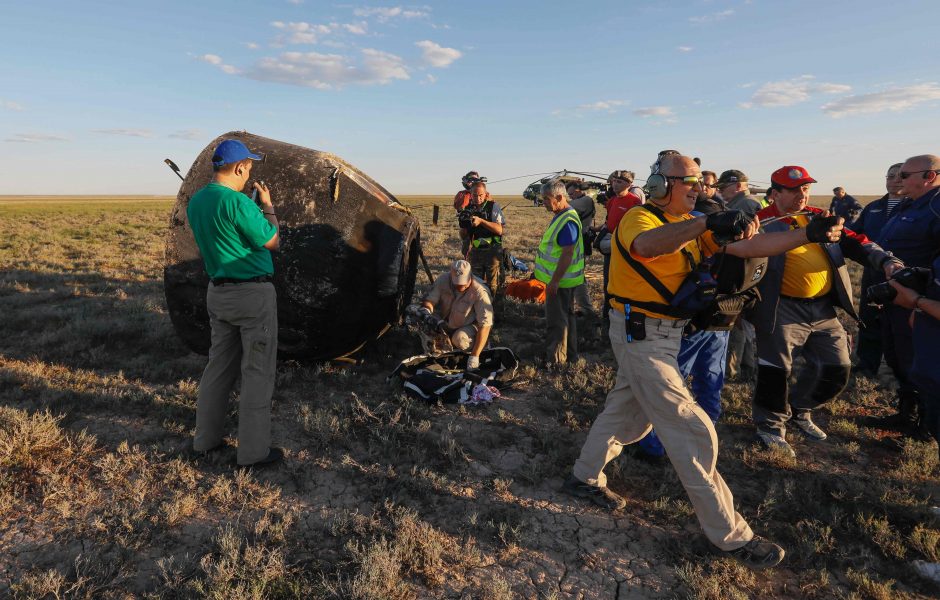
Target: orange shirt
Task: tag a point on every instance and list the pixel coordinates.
(670, 269)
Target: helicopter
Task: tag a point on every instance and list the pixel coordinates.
(589, 187)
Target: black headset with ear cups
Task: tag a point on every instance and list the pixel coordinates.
(657, 186)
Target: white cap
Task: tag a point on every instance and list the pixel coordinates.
(460, 272)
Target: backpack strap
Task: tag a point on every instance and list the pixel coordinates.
(662, 217)
(662, 290)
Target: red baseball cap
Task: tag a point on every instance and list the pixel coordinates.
(791, 176)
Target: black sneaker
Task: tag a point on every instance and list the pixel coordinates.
(602, 496)
(758, 554)
(275, 455)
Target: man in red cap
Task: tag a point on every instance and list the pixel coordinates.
(799, 294)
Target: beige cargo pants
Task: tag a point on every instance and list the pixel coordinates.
(244, 341)
(649, 391)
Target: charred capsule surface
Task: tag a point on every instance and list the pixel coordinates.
(348, 258)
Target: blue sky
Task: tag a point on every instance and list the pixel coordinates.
(95, 94)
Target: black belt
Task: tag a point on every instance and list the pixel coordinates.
(805, 300)
(232, 280)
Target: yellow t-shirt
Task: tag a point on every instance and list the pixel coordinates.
(806, 272)
(670, 269)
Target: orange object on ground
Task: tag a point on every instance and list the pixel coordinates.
(531, 290)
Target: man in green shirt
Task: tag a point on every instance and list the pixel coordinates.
(235, 238)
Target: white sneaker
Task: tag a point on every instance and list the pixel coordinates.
(772, 440)
(809, 429)
(927, 570)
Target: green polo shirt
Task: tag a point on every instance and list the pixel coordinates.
(231, 233)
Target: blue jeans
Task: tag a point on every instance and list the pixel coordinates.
(701, 355)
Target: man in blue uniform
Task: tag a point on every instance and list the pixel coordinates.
(912, 234)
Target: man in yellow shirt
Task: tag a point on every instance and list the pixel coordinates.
(799, 294)
(645, 334)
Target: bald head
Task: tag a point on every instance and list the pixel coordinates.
(924, 162)
(677, 165)
(920, 175)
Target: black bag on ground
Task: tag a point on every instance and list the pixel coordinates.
(443, 378)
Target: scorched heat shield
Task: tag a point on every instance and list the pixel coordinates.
(348, 258)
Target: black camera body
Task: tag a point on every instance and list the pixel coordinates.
(915, 278)
(465, 216)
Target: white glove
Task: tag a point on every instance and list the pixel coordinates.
(473, 362)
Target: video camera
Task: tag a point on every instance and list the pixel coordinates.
(465, 216)
(915, 278)
(469, 180)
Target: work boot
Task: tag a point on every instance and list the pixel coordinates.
(809, 429)
(899, 421)
(772, 440)
(905, 420)
(602, 496)
(758, 554)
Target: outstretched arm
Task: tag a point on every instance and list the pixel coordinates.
(667, 239)
(768, 244)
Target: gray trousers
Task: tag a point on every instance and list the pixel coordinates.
(244, 342)
(814, 328)
(562, 338)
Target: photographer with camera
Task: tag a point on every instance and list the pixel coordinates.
(481, 225)
(799, 294)
(913, 236)
(456, 314)
(661, 243)
(462, 198)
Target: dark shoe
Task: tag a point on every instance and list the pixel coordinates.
(602, 496)
(896, 422)
(758, 554)
(275, 455)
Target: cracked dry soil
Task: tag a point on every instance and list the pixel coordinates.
(381, 496)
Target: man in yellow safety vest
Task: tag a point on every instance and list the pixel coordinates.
(559, 264)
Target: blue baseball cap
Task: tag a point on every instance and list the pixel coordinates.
(231, 151)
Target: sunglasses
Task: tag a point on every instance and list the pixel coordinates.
(690, 180)
(904, 175)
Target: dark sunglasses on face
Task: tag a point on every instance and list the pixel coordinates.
(905, 175)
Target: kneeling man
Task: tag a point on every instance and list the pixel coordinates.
(459, 311)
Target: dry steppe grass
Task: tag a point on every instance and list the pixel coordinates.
(381, 496)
